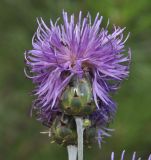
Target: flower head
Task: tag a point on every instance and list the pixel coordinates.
(123, 155)
(80, 49)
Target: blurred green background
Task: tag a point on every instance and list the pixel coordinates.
(20, 136)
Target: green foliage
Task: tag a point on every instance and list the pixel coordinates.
(19, 134)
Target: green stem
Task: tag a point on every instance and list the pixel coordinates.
(80, 129)
(72, 152)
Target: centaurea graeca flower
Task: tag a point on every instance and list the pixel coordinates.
(134, 157)
(75, 66)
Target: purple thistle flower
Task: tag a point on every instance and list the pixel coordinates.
(133, 156)
(76, 49)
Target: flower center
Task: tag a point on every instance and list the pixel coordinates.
(73, 60)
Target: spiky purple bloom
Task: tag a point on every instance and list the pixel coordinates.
(76, 49)
(133, 156)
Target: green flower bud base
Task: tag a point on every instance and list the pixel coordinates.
(77, 98)
(64, 132)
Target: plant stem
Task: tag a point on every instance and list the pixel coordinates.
(72, 152)
(80, 129)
